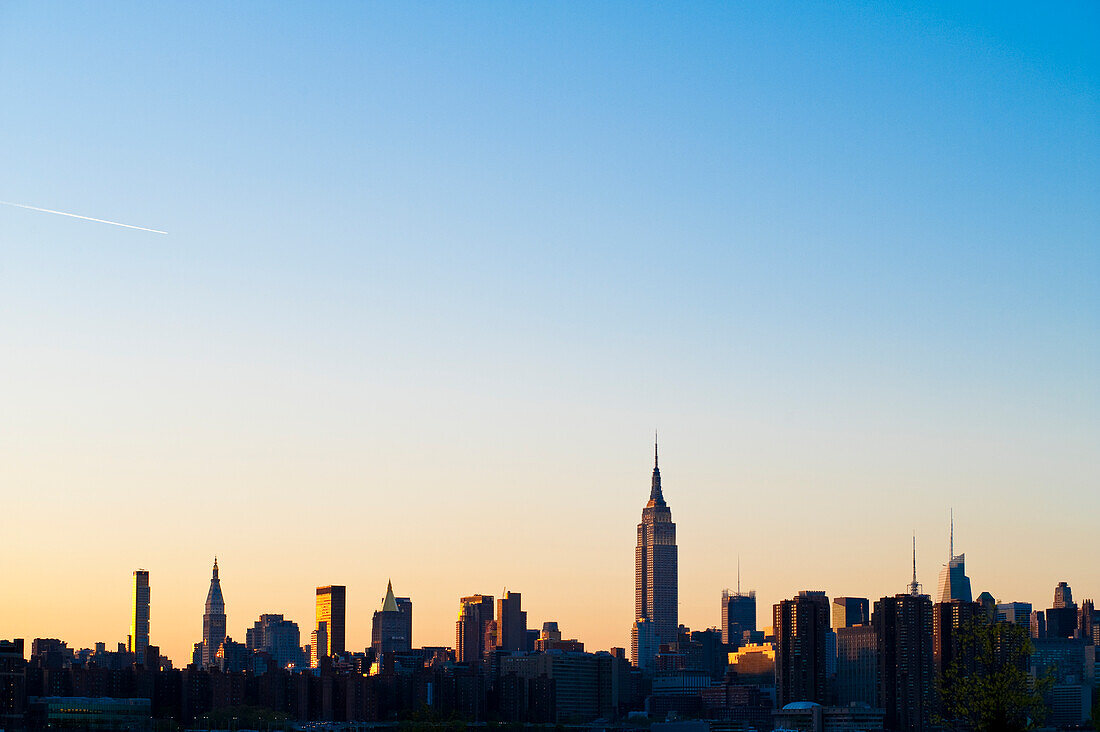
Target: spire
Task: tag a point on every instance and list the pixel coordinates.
(389, 602)
(656, 498)
(914, 586)
(739, 574)
(951, 550)
(215, 566)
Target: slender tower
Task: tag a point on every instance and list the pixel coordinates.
(655, 577)
(139, 618)
(914, 586)
(213, 620)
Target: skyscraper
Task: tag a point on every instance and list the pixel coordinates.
(475, 614)
(738, 615)
(332, 611)
(277, 637)
(213, 620)
(1063, 596)
(511, 623)
(391, 631)
(801, 629)
(655, 572)
(954, 584)
(849, 611)
(906, 675)
(139, 617)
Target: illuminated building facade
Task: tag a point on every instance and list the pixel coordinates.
(332, 611)
(213, 620)
(656, 593)
(391, 629)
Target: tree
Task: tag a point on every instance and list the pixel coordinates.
(986, 686)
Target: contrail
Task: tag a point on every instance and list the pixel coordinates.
(78, 216)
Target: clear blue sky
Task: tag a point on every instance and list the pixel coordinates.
(446, 266)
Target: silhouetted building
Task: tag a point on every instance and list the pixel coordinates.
(511, 623)
(811, 717)
(475, 614)
(391, 629)
(1038, 624)
(655, 576)
(738, 615)
(1086, 623)
(906, 675)
(801, 664)
(947, 618)
(856, 665)
(1063, 661)
(139, 616)
(277, 637)
(13, 684)
(213, 619)
(849, 611)
(331, 609)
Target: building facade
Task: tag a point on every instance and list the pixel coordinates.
(331, 609)
(213, 619)
(801, 662)
(656, 584)
(475, 615)
(511, 623)
(139, 614)
(391, 628)
(906, 675)
(738, 615)
(849, 611)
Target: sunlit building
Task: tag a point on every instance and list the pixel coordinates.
(331, 609)
(213, 620)
(655, 576)
(475, 614)
(849, 611)
(511, 623)
(391, 628)
(139, 615)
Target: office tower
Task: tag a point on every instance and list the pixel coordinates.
(954, 584)
(801, 630)
(655, 572)
(906, 671)
(1063, 596)
(405, 605)
(277, 637)
(1086, 622)
(139, 616)
(1038, 624)
(213, 620)
(947, 618)
(391, 629)
(1017, 613)
(13, 684)
(332, 611)
(849, 611)
(475, 614)
(318, 643)
(738, 615)
(511, 623)
(856, 665)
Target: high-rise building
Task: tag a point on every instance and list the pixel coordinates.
(511, 623)
(277, 637)
(856, 665)
(1086, 622)
(947, 618)
(331, 610)
(954, 584)
(1017, 613)
(738, 615)
(1063, 596)
(656, 597)
(391, 629)
(906, 676)
(139, 615)
(849, 611)
(801, 656)
(318, 642)
(475, 614)
(213, 620)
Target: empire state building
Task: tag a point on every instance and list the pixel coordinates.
(655, 577)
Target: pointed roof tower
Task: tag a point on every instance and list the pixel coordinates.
(389, 602)
(656, 497)
(215, 604)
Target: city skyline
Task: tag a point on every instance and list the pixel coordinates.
(217, 608)
(436, 273)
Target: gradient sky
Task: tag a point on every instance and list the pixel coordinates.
(435, 272)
